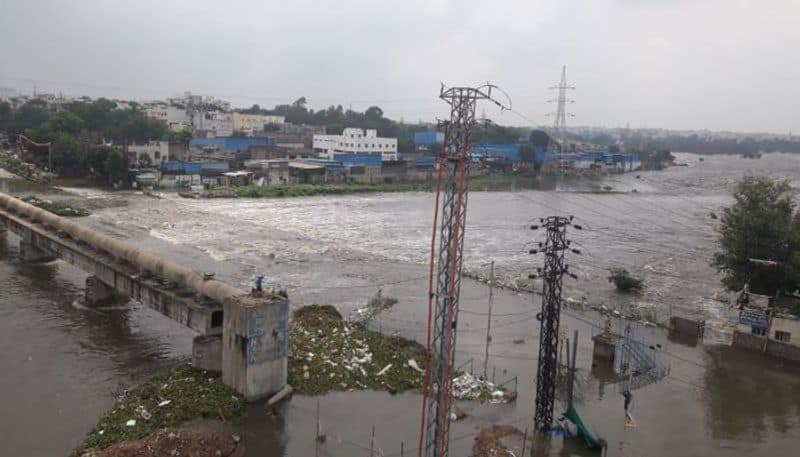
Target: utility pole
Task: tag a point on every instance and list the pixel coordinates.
(571, 390)
(560, 115)
(489, 324)
(443, 302)
(554, 249)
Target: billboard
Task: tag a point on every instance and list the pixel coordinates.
(753, 318)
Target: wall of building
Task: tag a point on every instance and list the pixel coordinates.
(786, 324)
(231, 144)
(216, 123)
(157, 151)
(355, 141)
(786, 351)
(254, 122)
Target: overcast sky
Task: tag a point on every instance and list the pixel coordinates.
(683, 64)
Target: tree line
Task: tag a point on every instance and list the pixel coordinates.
(89, 139)
(336, 118)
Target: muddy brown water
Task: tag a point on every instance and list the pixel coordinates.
(62, 363)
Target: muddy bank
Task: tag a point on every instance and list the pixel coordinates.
(194, 442)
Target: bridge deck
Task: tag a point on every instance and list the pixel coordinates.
(184, 306)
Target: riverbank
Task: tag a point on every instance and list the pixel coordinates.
(489, 183)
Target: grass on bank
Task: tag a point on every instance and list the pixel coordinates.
(184, 393)
(493, 182)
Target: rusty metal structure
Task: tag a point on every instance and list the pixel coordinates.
(449, 221)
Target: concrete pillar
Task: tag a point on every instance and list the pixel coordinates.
(254, 345)
(97, 292)
(207, 352)
(30, 253)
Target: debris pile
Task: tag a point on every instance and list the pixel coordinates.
(328, 353)
(168, 399)
(489, 442)
(469, 387)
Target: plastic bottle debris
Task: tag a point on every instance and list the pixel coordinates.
(130, 423)
(143, 413)
(413, 364)
(165, 403)
(469, 387)
(384, 370)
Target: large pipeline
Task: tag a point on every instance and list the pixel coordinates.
(216, 290)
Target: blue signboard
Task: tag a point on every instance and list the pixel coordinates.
(753, 318)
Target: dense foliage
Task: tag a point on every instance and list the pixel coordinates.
(79, 133)
(763, 223)
(653, 158)
(624, 281)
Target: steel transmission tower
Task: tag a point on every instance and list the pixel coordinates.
(560, 122)
(451, 206)
(552, 275)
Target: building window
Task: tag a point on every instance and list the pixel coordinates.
(759, 331)
(783, 336)
(157, 155)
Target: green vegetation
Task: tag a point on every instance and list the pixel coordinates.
(328, 353)
(167, 399)
(624, 281)
(57, 208)
(78, 135)
(494, 182)
(22, 169)
(304, 190)
(763, 223)
(653, 158)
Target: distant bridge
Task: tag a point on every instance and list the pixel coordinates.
(242, 334)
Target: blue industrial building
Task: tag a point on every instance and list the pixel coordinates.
(370, 159)
(230, 143)
(426, 138)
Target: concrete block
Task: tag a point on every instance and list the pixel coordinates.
(255, 344)
(207, 352)
(30, 253)
(97, 292)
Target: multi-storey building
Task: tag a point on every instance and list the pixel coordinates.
(355, 141)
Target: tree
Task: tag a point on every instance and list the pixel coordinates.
(116, 166)
(761, 224)
(624, 281)
(182, 136)
(539, 139)
(373, 113)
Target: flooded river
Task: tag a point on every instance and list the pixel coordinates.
(62, 363)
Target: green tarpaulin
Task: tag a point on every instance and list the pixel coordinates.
(583, 432)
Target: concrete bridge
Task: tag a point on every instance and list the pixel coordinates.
(243, 334)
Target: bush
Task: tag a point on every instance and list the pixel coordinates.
(624, 280)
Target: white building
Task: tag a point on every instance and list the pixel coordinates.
(253, 123)
(156, 151)
(213, 123)
(175, 117)
(355, 141)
